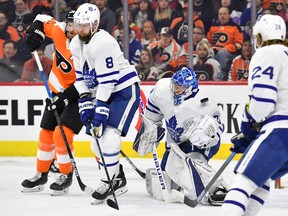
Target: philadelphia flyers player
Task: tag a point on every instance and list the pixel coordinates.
(65, 101)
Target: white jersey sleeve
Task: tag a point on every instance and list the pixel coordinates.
(268, 82)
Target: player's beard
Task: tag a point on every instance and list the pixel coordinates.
(85, 38)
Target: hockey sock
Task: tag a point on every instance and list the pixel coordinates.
(46, 150)
(64, 161)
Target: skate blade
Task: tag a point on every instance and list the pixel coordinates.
(59, 193)
(33, 190)
(118, 192)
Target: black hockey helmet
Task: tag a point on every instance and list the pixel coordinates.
(70, 16)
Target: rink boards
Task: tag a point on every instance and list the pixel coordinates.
(21, 108)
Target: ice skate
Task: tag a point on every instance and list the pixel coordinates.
(35, 184)
(217, 198)
(62, 184)
(103, 192)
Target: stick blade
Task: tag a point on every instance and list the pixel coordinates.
(112, 204)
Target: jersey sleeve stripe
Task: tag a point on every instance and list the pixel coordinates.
(127, 77)
(265, 86)
(265, 100)
(153, 105)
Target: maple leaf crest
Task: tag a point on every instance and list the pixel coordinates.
(174, 131)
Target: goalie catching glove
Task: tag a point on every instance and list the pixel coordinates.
(149, 133)
(202, 136)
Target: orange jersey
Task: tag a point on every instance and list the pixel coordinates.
(227, 36)
(62, 74)
(239, 69)
(13, 36)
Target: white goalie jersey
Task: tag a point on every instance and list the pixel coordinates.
(184, 118)
(101, 68)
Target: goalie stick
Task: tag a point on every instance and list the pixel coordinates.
(83, 187)
(142, 174)
(194, 202)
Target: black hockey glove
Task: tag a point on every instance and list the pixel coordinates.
(35, 35)
(59, 102)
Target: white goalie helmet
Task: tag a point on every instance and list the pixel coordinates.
(87, 13)
(270, 27)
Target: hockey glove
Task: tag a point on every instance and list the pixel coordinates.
(58, 102)
(249, 127)
(240, 142)
(100, 118)
(86, 111)
(35, 35)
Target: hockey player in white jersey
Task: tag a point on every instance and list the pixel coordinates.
(109, 94)
(265, 152)
(193, 134)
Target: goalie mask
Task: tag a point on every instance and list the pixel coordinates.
(87, 14)
(269, 27)
(184, 85)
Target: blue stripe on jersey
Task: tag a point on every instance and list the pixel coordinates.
(126, 77)
(107, 74)
(110, 155)
(265, 100)
(78, 72)
(147, 108)
(275, 118)
(265, 86)
(265, 187)
(109, 164)
(108, 81)
(153, 105)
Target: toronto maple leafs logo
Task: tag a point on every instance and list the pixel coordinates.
(174, 131)
(89, 76)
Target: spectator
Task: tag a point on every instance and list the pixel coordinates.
(226, 39)
(107, 16)
(240, 66)
(42, 7)
(134, 47)
(146, 70)
(7, 32)
(134, 6)
(205, 67)
(198, 35)
(173, 4)
(204, 10)
(114, 5)
(163, 15)
(9, 61)
(24, 17)
(145, 13)
(31, 72)
(234, 15)
(245, 19)
(165, 53)
(179, 25)
(135, 31)
(148, 34)
(8, 7)
(279, 6)
(63, 10)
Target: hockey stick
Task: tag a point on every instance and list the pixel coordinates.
(142, 174)
(194, 202)
(111, 203)
(83, 187)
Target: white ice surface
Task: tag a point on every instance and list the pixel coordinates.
(136, 202)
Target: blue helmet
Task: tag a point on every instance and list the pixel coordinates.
(184, 84)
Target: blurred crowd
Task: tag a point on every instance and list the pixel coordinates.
(158, 32)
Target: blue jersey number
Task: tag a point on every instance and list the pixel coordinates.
(258, 71)
(109, 62)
